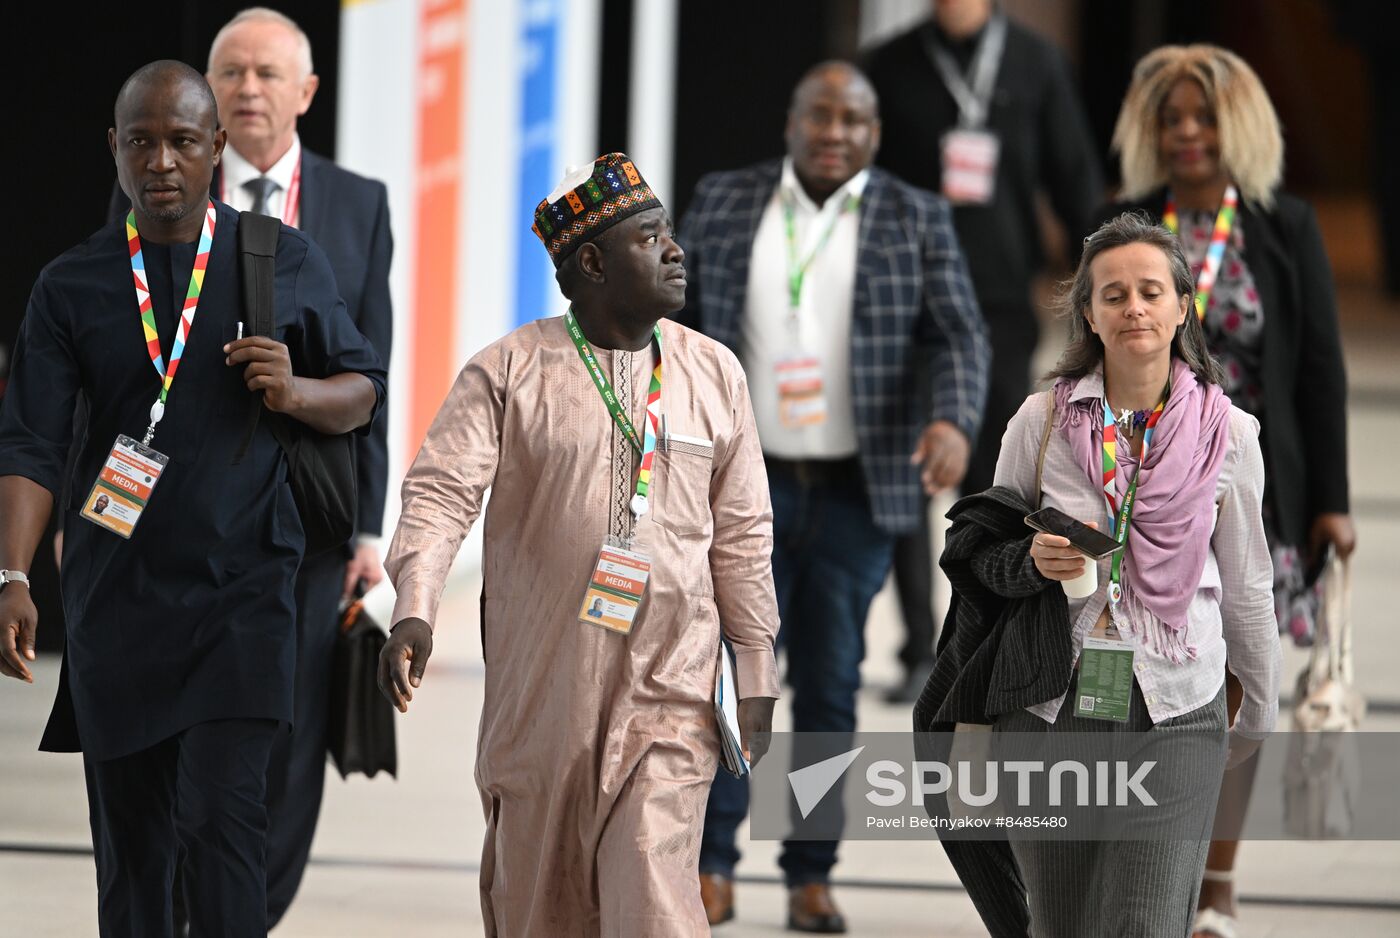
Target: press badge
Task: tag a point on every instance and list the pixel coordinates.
(801, 392)
(1105, 687)
(970, 166)
(123, 488)
(615, 590)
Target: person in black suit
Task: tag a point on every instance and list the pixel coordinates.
(261, 72)
(260, 68)
(177, 676)
(1202, 152)
(980, 108)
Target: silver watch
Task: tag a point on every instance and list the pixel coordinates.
(13, 576)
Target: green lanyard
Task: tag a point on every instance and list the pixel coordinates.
(644, 444)
(1120, 517)
(797, 268)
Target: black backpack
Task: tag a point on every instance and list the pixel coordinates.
(321, 468)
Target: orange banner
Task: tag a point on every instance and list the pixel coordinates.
(442, 57)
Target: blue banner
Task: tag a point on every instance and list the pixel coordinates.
(539, 56)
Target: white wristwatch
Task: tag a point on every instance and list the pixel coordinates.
(13, 576)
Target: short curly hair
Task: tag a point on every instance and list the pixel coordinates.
(1251, 142)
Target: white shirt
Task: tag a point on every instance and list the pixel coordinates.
(237, 171)
(823, 317)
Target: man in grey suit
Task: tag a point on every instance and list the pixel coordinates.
(844, 293)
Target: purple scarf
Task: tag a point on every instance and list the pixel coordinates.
(1174, 515)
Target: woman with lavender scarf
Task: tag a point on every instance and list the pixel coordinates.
(1195, 581)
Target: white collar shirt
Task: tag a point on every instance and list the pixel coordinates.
(822, 326)
(237, 170)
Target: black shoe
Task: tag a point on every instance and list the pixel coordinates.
(908, 690)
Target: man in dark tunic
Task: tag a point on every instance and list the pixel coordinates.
(181, 642)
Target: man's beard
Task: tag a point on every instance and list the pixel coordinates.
(169, 213)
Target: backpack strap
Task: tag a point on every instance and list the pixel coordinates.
(257, 264)
(1044, 443)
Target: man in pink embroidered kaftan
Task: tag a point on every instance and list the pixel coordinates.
(598, 744)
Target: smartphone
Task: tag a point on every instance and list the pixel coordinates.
(1081, 537)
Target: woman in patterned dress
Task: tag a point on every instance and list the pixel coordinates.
(1201, 151)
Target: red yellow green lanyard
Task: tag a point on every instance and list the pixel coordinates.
(1215, 254)
(646, 444)
(797, 268)
(1120, 516)
(187, 314)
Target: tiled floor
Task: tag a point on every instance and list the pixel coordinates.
(400, 857)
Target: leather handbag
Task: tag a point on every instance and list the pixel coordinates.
(1322, 772)
(361, 726)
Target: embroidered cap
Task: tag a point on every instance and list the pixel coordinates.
(588, 202)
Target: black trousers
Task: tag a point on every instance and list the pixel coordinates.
(199, 794)
(913, 581)
(1014, 334)
(296, 773)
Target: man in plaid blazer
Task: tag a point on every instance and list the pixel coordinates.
(844, 293)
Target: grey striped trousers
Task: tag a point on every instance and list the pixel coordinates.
(1115, 889)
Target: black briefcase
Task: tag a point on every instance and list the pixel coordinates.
(361, 727)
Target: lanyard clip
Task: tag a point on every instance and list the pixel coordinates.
(157, 412)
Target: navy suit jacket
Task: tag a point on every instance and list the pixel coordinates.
(347, 216)
(919, 349)
(192, 619)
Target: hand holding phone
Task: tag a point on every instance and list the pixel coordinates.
(1084, 538)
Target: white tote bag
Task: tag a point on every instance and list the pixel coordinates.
(1322, 774)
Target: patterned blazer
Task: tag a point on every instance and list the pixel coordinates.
(919, 349)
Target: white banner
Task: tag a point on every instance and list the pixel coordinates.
(469, 111)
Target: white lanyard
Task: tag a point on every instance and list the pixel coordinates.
(974, 101)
